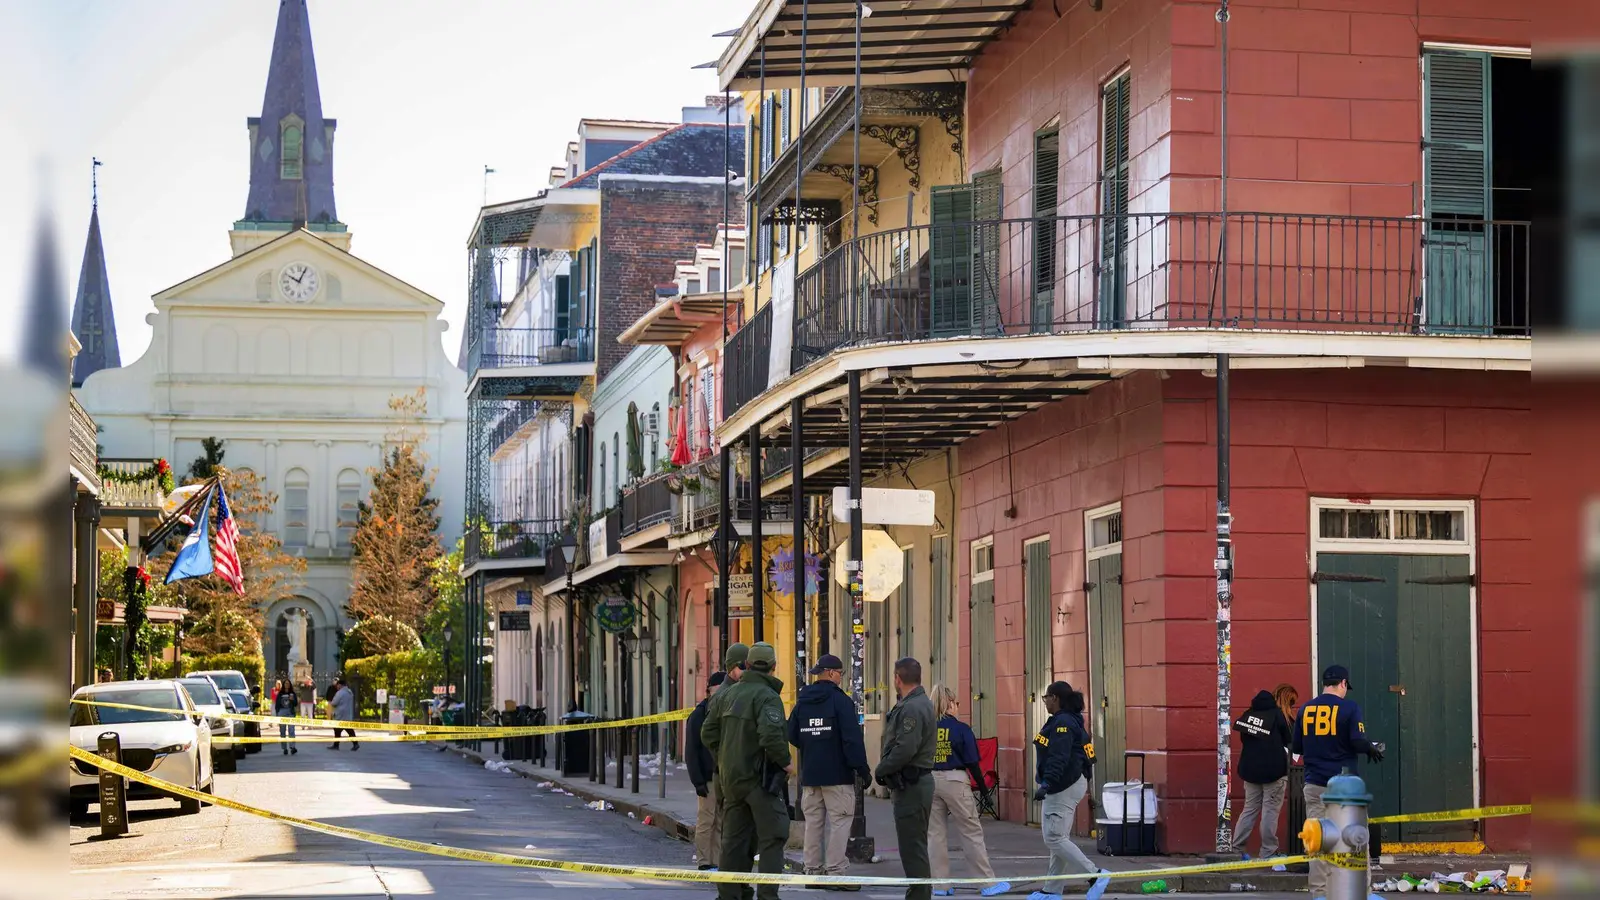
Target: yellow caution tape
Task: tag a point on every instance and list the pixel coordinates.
(28, 765)
(1458, 815)
(454, 731)
(644, 873)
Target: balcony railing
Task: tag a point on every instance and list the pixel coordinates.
(130, 484)
(83, 442)
(646, 504)
(696, 504)
(514, 348)
(1065, 274)
(513, 539)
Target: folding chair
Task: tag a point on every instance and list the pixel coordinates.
(984, 794)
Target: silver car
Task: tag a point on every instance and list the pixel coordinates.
(216, 706)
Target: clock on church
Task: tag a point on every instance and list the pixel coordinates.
(298, 282)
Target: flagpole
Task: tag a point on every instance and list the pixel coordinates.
(163, 528)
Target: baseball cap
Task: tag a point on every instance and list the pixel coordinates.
(736, 655)
(763, 656)
(1335, 674)
(716, 679)
(826, 663)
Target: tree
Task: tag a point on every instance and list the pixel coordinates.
(219, 620)
(378, 635)
(395, 541)
(206, 464)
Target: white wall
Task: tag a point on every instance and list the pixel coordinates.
(645, 378)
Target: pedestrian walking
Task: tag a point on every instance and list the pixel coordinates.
(833, 759)
(905, 767)
(744, 730)
(342, 708)
(702, 774)
(1329, 736)
(286, 705)
(1264, 769)
(955, 760)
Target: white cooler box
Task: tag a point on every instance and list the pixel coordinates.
(1128, 801)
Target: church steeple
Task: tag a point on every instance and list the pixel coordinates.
(291, 144)
(92, 318)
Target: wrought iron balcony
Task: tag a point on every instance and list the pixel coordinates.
(517, 539)
(530, 363)
(83, 443)
(646, 504)
(1143, 272)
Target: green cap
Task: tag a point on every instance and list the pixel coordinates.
(735, 656)
(763, 657)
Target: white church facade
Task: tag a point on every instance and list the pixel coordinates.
(291, 352)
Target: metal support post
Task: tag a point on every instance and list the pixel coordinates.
(861, 847)
(86, 522)
(797, 502)
(1224, 556)
(661, 761)
(724, 552)
(759, 613)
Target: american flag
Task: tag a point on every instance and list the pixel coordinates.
(226, 557)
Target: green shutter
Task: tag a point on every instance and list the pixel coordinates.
(1046, 197)
(1111, 310)
(950, 259)
(939, 582)
(1038, 664)
(1455, 133)
(984, 699)
(907, 624)
(986, 251)
(564, 303)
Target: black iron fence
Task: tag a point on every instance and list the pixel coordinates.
(696, 497)
(645, 504)
(512, 539)
(1063, 274)
(508, 348)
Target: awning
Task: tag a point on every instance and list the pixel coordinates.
(551, 220)
(902, 42)
(671, 322)
(635, 560)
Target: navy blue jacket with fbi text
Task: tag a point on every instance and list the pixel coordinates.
(1063, 752)
(825, 727)
(1330, 734)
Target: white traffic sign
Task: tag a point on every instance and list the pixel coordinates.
(887, 506)
(883, 565)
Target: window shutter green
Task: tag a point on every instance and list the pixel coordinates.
(1455, 133)
(1110, 311)
(1046, 196)
(950, 259)
(986, 251)
(783, 120)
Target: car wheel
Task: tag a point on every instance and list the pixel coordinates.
(80, 809)
(189, 805)
(226, 760)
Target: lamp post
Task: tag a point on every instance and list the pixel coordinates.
(449, 636)
(569, 553)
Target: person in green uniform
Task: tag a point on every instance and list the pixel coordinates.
(905, 767)
(745, 729)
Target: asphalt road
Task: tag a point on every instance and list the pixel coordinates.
(404, 790)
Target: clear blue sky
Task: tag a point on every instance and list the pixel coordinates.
(426, 93)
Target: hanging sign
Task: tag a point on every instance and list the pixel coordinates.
(515, 620)
(614, 613)
(741, 596)
(597, 540)
(524, 598)
(887, 506)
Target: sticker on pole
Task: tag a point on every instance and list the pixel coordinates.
(883, 565)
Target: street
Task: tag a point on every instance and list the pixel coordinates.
(402, 790)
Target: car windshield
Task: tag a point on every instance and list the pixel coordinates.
(158, 697)
(201, 691)
(229, 681)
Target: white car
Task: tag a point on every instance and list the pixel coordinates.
(232, 683)
(174, 746)
(216, 706)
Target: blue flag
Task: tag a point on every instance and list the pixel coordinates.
(194, 557)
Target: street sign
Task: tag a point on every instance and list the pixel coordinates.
(382, 696)
(515, 620)
(741, 596)
(883, 565)
(105, 610)
(113, 790)
(887, 506)
(524, 598)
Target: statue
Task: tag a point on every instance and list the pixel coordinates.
(295, 625)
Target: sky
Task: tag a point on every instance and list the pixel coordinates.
(427, 92)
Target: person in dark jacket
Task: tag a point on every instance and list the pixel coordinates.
(1063, 766)
(286, 705)
(956, 769)
(825, 728)
(1264, 769)
(702, 771)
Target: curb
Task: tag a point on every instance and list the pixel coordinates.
(659, 819)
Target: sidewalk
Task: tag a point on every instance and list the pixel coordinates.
(1013, 848)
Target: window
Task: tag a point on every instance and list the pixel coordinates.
(296, 508)
(655, 436)
(1046, 196)
(349, 501)
(1105, 530)
(983, 559)
(1390, 521)
(708, 388)
(736, 264)
(691, 286)
(713, 279)
(1111, 311)
(291, 148)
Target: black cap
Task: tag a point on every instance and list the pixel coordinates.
(716, 679)
(1334, 674)
(828, 662)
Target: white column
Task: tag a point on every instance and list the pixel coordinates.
(269, 477)
(322, 487)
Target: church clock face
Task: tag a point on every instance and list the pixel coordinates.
(299, 282)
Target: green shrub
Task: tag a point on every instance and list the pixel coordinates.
(409, 675)
(377, 636)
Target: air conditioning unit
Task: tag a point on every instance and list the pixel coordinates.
(650, 422)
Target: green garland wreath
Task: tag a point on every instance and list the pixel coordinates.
(159, 470)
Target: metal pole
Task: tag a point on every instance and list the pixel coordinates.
(797, 501)
(661, 760)
(1224, 560)
(759, 612)
(861, 846)
(724, 550)
(800, 127)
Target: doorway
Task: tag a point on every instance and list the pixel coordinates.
(1102, 585)
(1394, 601)
(983, 655)
(1038, 667)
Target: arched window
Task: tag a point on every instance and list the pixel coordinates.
(296, 508)
(349, 501)
(291, 149)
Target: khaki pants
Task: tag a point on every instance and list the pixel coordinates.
(1058, 812)
(1263, 802)
(1318, 881)
(829, 811)
(952, 795)
(708, 827)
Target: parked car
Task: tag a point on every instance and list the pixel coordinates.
(215, 705)
(173, 745)
(231, 682)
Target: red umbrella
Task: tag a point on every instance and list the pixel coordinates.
(680, 440)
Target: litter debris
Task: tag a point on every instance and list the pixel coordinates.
(546, 784)
(599, 805)
(632, 816)
(649, 820)
(529, 847)
(1488, 881)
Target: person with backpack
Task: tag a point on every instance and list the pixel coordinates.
(1264, 769)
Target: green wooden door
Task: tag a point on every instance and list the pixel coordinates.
(1037, 663)
(1111, 308)
(1046, 197)
(1106, 695)
(939, 614)
(1457, 175)
(950, 259)
(983, 659)
(1402, 626)
(986, 252)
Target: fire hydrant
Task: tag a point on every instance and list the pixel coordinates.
(1342, 835)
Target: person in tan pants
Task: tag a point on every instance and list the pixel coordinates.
(955, 760)
(702, 769)
(833, 760)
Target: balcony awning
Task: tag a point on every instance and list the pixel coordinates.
(671, 322)
(627, 560)
(902, 42)
(552, 220)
